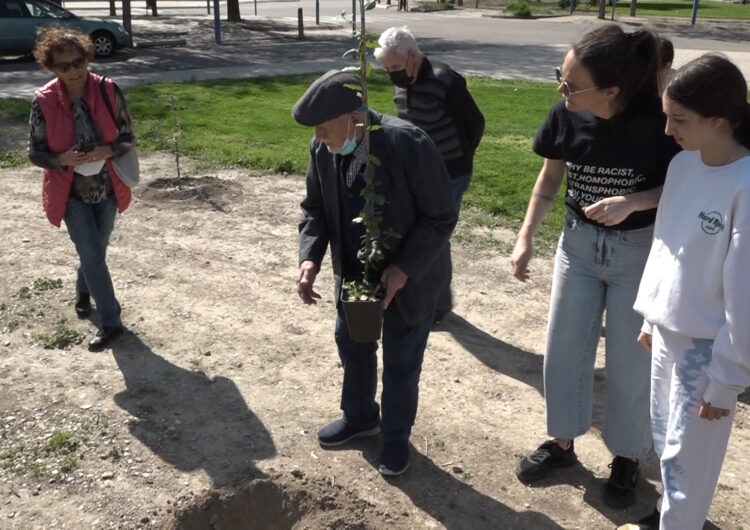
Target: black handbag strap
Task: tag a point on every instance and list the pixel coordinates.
(106, 99)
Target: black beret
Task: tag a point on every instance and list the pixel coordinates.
(331, 95)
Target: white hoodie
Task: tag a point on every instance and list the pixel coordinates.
(697, 278)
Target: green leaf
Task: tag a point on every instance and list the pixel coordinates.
(371, 44)
(351, 69)
(374, 160)
(375, 127)
(370, 5)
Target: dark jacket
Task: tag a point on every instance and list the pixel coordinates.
(440, 104)
(419, 207)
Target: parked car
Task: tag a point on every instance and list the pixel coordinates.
(19, 20)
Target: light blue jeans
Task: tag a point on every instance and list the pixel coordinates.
(89, 227)
(597, 269)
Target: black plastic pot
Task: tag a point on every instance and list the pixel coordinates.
(364, 318)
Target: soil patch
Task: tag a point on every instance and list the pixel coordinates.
(192, 191)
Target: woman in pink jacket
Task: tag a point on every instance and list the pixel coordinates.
(74, 132)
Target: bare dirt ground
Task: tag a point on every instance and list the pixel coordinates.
(204, 414)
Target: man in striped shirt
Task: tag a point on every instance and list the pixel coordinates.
(434, 97)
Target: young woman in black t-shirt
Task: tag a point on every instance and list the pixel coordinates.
(608, 136)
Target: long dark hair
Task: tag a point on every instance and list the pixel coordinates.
(714, 87)
(629, 61)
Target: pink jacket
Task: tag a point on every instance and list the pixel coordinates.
(55, 106)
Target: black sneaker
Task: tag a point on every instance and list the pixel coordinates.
(650, 522)
(339, 432)
(619, 492)
(547, 457)
(394, 459)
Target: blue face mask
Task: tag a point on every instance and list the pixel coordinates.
(350, 144)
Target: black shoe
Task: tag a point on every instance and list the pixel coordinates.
(650, 522)
(83, 305)
(339, 432)
(547, 457)
(394, 459)
(440, 315)
(104, 336)
(619, 492)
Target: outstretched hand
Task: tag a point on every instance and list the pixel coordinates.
(520, 259)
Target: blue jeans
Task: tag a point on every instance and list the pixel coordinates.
(403, 351)
(89, 227)
(597, 269)
(459, 185)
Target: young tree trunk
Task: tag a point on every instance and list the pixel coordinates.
(633, 7)
(233, 11)
(602, 8)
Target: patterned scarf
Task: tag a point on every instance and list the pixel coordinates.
(359, 157)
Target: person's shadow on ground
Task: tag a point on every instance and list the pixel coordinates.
(188, 420)
(502, 357)
(453, 502)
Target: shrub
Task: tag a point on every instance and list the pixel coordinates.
(518, 9)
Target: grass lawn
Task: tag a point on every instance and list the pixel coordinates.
(247, 123)
(677, 8)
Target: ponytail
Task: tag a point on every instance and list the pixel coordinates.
(713, 86)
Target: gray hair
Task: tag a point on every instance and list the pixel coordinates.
(400, 40)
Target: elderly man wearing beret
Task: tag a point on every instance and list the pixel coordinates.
(412, 178)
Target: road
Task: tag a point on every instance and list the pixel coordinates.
(473, 41)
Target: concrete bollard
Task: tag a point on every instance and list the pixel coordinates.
(300, 27)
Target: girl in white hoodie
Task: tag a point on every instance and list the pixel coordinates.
(694, 294)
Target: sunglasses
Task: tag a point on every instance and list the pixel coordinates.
(566, 92)
(75, 63)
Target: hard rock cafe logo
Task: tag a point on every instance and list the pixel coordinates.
(711, 222)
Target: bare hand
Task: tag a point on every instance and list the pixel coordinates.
(71, 157)
(393, 279)
(520, 259)
(305, 280)
(100, 152)
(644, 340)
(609, 211)
(709, 412)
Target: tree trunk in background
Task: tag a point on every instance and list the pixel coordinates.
(233, 11)
(602, 8)
(633, 7)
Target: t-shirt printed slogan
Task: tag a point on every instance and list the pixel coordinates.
(590, 184)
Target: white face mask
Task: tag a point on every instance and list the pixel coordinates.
(350, 144)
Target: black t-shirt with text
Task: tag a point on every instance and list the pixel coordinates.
(608, 157)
